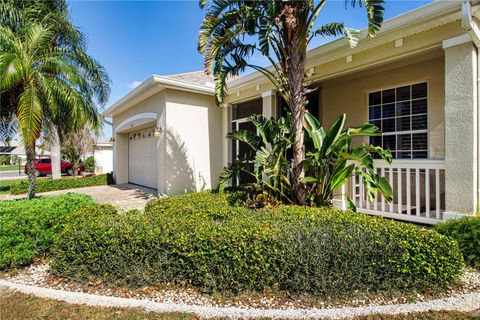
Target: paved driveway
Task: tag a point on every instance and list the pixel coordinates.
(123, 196)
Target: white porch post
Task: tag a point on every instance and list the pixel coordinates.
(460, 126)
(269, 100)
(226, 128)
(227, 116)
(340, 198)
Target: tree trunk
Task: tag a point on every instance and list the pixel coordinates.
(298, 110)
(295, 67)
(30, 151)
(55, 153)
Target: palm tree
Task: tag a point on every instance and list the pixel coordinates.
(94, 83)
(46, 80)
(232, 31)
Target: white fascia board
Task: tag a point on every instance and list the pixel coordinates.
(464, 38)
(188, 86)
(428, 12)
(129, 96)
(157, 83)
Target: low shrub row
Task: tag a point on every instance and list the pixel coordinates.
(207, 240)
(466, 231)
(28, 228)
(44, 185)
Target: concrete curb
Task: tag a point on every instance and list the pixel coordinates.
(466, 303)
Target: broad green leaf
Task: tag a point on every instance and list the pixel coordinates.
(341, 176)
(333, 134)
(351, 205)
(310, 180)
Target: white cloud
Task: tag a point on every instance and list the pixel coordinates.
(134, 84)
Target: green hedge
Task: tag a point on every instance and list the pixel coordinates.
(467, 233)
(205, 240)
(28, 227)
(44, 185)
(89, 164)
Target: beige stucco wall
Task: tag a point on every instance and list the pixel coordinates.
(364, 56)
(155, 104)
(194, 145)
(461, 161)
(190, 148)
(349, 94)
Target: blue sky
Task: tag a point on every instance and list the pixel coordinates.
(135, 39)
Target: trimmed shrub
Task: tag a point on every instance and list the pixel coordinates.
(29, 227)
(207, 240)
(467, 233)
(4, 160)
(44, 185)
(89, 164)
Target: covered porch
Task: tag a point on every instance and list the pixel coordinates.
(426, 107)
(425, 103)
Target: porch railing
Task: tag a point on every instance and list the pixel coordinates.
(418, 191)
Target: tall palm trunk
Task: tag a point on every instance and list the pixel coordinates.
(295, 67)
(30, 151)
(55, 153)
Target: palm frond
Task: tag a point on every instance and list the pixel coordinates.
(29, 115)
(245, 136)
(334, 29)
(375, 12)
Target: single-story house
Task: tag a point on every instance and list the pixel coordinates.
(418, 80)
(103, 154)
(16, 148)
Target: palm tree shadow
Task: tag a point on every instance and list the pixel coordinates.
(180, 175)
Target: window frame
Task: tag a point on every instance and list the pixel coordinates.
(237, 123)
(396, 117)
(234, 124)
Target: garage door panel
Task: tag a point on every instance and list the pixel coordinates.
(142, 158)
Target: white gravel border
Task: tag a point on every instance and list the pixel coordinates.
(466, 303)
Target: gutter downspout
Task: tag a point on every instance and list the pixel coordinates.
(471, 28)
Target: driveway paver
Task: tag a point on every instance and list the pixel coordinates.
(122, 196)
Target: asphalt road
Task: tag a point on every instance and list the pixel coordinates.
(9, 175)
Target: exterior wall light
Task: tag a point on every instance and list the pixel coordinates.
(157, 132)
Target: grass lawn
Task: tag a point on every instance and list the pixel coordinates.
(10, 168)
(5, 185)
(19, 306)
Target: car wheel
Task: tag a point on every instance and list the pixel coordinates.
(71, 172)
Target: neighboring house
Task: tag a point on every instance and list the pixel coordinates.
(103, 155)
(417, 80)
(15, 148)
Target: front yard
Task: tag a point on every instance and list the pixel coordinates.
(11, 168)
(45, 184)
(209, 249)
(15, 305)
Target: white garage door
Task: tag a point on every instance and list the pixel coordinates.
(142, 158)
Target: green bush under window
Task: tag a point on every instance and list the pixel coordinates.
(28, 227)
(207, 240)
(467, 233)
(62, 184)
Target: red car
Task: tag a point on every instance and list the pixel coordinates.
(44, 167)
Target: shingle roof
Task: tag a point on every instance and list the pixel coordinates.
(196, 77)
